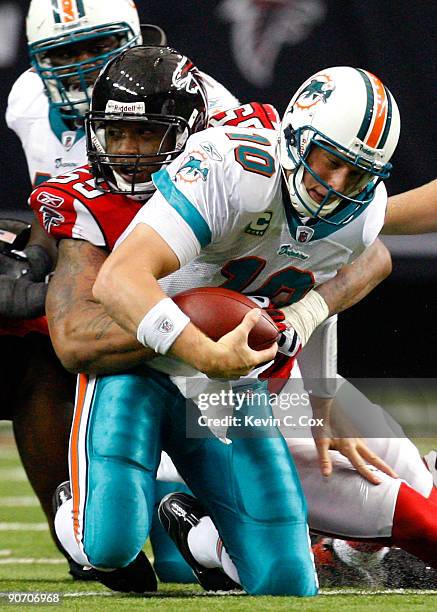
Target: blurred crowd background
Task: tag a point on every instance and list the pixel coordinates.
(262, 50)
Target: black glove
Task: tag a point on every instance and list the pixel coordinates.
(22, 287)
(21, 298)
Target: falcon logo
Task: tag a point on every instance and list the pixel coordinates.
(261, 28)
(193, 168)
(183, 77)
(51, 218)
(317, 90)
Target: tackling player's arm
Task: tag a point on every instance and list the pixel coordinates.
(85, 338)
(351, 284)
(127, 287)
(412, 212)
(356, 280)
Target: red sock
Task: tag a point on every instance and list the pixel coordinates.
(365, 546)
(415, 525)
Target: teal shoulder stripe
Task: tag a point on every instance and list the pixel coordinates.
(182, 204)
(369, 107)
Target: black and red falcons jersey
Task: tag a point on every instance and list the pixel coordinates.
(70, 206)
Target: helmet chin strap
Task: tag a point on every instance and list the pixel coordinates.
(148, 187)
(302, 202)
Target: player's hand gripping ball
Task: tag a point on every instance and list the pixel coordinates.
(217, 311)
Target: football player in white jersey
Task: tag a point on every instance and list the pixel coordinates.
(68, 44)
(322, 187)
(58, 115)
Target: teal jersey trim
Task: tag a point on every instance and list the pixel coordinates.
(59, 126)
(321, 229)
(184, 207)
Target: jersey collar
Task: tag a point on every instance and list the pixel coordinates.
(318, 228)
(59, 127)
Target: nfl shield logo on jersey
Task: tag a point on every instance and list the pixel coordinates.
(304, 234)
(68, 139)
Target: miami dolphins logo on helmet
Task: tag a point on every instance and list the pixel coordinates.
(317, 90)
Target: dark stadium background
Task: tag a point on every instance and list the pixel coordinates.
(393, 331)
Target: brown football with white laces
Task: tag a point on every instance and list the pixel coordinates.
(217, 311)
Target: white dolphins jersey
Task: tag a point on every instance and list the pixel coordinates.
(222, 209)
(50, 146)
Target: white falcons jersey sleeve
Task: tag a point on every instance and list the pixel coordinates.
(219, 98)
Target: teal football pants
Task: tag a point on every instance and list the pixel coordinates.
(250, 487)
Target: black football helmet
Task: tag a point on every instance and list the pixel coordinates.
(153, 87)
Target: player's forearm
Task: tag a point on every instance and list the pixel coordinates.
(144, 310)
(140, 299)
(86, 339)
(353, 282)
(412, 212)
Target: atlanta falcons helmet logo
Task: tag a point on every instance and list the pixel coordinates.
(260, 28)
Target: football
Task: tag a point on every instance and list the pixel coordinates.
(217, 311)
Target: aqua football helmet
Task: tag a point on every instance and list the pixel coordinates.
(348, 112)
(52, 26)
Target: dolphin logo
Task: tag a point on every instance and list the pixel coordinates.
(192, 170)
(319, 89)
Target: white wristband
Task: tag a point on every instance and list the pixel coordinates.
(307, 314)
(160, 327)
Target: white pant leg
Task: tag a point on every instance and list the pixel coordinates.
(391, 445)
(345, 504)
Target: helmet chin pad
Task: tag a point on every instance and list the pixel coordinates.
(144, 189)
